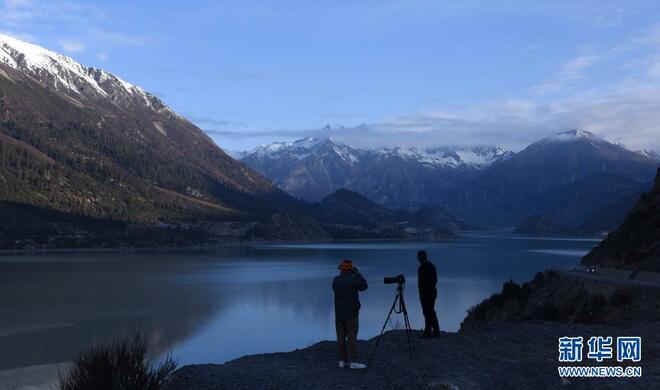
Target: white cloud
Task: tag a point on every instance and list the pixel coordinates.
(83, 18)
(14, 11)
(628, 113)
(571, 71)
(71, 45)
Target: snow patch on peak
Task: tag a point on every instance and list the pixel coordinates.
(573, 135)
(35, 59)
(653, 155)
(306, 143)
(569, 136)
(66, 75)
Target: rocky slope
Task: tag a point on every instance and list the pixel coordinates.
(636, 243)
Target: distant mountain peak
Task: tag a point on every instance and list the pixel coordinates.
(570, 136)
(301, 149)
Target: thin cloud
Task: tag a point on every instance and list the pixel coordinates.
(72, 45)
(16, 11)
(628, 113)
(570, 71)
(18, 16)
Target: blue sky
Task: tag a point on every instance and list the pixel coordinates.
(417, 73)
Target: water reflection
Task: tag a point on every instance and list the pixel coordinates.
(243, 299)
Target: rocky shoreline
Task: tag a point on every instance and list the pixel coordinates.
(503, 347)
(519, 355)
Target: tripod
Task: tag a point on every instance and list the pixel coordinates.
(401, 308)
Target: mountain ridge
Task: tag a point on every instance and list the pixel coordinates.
(312, 168)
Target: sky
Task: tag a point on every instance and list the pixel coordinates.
(379, 73)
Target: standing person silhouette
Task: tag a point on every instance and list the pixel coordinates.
(427, 278)
(347, 286)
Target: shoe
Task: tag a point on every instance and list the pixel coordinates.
(435, 335)
(424, 336)
(357, 366)
(342, 364)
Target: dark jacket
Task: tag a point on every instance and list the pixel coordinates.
(427, 278)
(346, 287)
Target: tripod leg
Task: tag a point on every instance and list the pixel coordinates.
(411, 342)
(383, 329)
(406, 322)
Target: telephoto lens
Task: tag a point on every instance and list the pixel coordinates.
(400, 279)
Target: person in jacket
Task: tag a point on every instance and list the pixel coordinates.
(346, 287)
(427, 278)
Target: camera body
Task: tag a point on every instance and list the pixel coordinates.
(400, 279)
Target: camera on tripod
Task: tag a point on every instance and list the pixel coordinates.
(398, 307)
(400, 279)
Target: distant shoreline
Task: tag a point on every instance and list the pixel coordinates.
(227, 244)
(209, 248)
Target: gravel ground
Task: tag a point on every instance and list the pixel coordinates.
(520, 355)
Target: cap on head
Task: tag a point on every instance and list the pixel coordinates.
(345, 265)
(421, 256)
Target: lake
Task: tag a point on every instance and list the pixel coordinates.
(212, 307)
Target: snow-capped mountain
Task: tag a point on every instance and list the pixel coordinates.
(568, 177)
(450, 157)
(82, 140)
(303, 148)
(78, 82)
(312, 168)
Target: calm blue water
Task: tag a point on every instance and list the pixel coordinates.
(244, 299)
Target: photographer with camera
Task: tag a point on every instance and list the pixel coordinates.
(346, 287)
(427, 278)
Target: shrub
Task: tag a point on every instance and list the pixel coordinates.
(122, 364)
